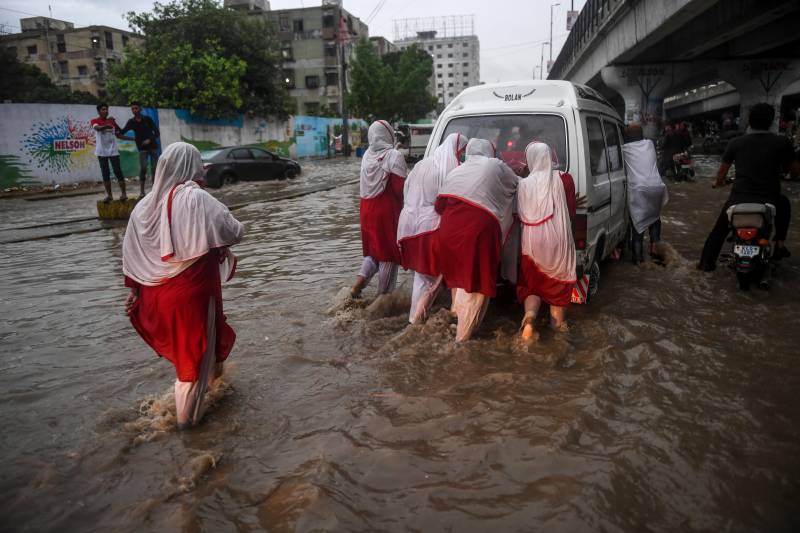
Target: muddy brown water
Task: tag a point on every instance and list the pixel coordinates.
(672, 405)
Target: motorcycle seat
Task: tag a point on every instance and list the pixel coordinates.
(751, 215)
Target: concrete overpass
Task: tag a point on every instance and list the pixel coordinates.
(637, 52)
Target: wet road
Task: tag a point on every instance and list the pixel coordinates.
(672, 405)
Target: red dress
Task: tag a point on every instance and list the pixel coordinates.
(418, 252)
(469, 245)
(532, 281)
(379, 216)
(171, 317)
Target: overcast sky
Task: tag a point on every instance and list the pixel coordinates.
(511, 32)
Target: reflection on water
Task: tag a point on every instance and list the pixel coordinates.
(671, 405)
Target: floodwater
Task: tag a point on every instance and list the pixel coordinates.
(671, 405)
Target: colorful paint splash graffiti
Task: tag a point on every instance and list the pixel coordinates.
(60, 145)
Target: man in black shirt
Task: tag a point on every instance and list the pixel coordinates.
(145, 133)
(760, 157)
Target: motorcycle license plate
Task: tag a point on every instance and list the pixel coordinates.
(745, 250)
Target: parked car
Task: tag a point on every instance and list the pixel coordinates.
(586, 133)
(245, 163)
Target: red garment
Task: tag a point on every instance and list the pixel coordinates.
(569, 191)
(418, 253)
(99, 121)
(379, 216)
(532, 281)
(469, 245)
(171, 318)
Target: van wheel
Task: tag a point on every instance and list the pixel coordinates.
(594, 280)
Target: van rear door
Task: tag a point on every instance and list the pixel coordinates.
(617, 181)
(598, 184)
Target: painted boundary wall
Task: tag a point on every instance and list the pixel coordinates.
(42, 144)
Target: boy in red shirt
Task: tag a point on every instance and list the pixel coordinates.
(105, 133)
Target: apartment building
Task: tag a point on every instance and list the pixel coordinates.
(383, 45)
(456, 61)
(78, 58)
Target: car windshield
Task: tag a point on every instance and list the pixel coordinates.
(209, 154)
(512, 133)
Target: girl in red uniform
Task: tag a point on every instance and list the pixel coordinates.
(419, 221)
(547, 264)
(383, 172)
(174, 256)
(475, 203)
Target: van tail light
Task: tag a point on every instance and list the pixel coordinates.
(581, 222)
(746, 234)
(763, 242)
(206, 166)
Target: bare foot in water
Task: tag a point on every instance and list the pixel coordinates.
(529, 333)
(355, 291)
(559, 327)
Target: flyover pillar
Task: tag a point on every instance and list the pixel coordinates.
(643, 88)
(760, 81)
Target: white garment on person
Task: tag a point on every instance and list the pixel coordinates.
(484, 182)
(422, 187)
(387, 274)
(542, 209)
(105, 141)
(470, 307)
(161, 242)
(423, 293)
(380, 160)
(647, 193)
(189, 395)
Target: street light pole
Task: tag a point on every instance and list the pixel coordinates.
(551, 34)
(541, 62)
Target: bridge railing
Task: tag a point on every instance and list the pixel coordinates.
(591, 18)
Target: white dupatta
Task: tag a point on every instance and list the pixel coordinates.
(380, 160)
(177, 222)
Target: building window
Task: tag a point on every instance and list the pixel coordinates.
(439, 75)
(430, 48)
(450, 75)
(331, 78)
(438, 46)
(464, 44)
(328, 20)
(109, 40)
(466, 85)
(286, 51)
(438, 56)
(450, 84)
(450, 95)
(288, 79)
(465, 54)
(63, 68)
(449, 55)
(438, 65)
(465, 64)
(330, 49)
(312, 82)
(312, 108)
(124, 40)
(95, 40)
(297, 25)
(450, 65)
(283, 22)
(83, 70)
(32, 51)
(450, 45)
(61, 46)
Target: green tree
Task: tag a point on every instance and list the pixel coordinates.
(201, 56)
(27, 83)
(392, 87)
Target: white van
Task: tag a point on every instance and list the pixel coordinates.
(586, 133)
(420, 135)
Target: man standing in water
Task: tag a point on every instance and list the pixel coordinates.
(145, 134)
(760, 158)
(105, 148)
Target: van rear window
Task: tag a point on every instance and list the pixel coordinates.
(512, 133)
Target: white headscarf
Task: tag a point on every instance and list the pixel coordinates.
(177, 223)
(543, 211)
(422, 187)
(484, 182)
(380, 160)
(647, 194)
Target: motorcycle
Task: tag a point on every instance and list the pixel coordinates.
(683, 167)
(751, 228)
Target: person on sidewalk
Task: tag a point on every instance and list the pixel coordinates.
(383, 173)
(475, 204)
(647, 193)
(419, 222)
(760, 158)
(146, 135)
(174, 257)
(105, 148)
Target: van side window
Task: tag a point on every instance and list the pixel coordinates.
(613, 145)
(597, 147)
